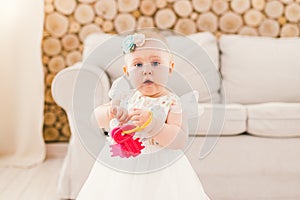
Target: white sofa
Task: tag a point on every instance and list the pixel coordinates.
(256, 155)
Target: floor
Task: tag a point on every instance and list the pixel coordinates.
(37, 183)
(40, 182)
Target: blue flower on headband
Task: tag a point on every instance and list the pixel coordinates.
(130, 42)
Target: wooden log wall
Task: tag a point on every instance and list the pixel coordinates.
(69, 22)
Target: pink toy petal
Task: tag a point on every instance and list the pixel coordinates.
(117, 150)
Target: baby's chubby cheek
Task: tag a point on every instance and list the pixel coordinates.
(136, 78)
(161, 75)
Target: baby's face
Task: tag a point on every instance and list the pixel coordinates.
(148, 70)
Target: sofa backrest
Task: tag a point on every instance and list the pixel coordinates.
(260, 69)
(196, 62)
(253, 69)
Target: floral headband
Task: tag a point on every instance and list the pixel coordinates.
(130, 42)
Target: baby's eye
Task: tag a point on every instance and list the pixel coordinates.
(138, 65)
(155, 63)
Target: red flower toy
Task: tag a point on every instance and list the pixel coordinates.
(126, 146)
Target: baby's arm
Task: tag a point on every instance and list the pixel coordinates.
(106, 112)
(102, 116)
(174, 133)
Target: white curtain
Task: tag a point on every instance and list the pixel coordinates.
(21, 83)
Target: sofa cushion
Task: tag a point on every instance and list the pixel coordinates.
(92, 41)
(207, 81)
(196, 60)
(260, 69)
(269, 166)
(209, 42)
(274, 119)
(221, 119)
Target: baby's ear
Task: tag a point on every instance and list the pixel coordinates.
(125, 70)
(172, 64)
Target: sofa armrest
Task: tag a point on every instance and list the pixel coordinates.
(64, 83)
(79, 160)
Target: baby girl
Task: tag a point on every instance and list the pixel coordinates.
(157, 113)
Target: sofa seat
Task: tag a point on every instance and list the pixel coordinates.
(231, 119)
(252, 187)
(249, 167)
(274, 119)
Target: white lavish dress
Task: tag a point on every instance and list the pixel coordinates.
(156, 174)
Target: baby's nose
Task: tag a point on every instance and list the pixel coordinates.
(147, 71)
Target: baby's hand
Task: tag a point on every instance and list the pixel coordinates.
(119, 113)
(139, 116)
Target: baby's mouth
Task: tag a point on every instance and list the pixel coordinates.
(148, 82)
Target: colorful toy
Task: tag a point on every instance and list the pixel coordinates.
(127, 146)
